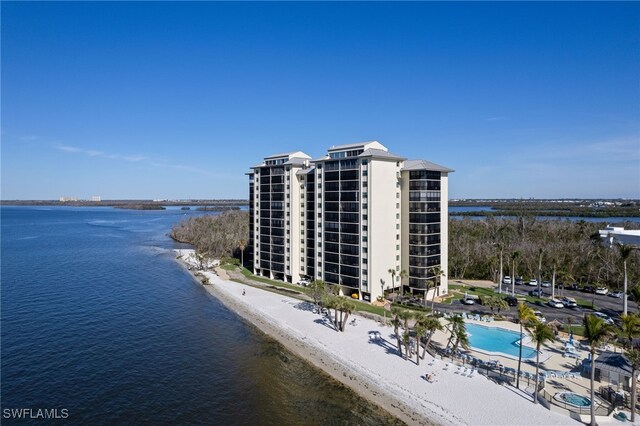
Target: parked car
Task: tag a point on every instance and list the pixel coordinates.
(605, 317)
(560, 286)
(588, 289)
(616, 294)
(519, 281)
(574, 286)
(304, 282)
(511, 301)
(555, 303)
(506, 279)
(540, 316)
(537, 293)
(569, 302)
(468, 301)
(545, 284)
(602, 290)
(533, 282)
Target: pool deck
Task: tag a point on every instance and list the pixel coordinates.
(551, 360)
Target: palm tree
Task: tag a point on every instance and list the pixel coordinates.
(317, 288)
(242, 244)
(431, 324)
(331, 302)
(347, 307)
(540, 254)
(455, 323)
(397, 322)
(420, 331)
(629, 328)
(525, 316)
(625, 252)
(597, 332)
(403, 274)
(438, 272)
(514, 257)
(554, 264)
(462, 337)
(540, 334)
(633, 355)
(392, 271)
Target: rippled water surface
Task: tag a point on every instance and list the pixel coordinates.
(98, 319)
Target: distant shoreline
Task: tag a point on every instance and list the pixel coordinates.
(153, 204)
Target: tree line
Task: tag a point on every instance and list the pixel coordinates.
(572, 249)
(215, 236)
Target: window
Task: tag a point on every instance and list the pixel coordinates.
(365, 217)
(364, 195)
(397, 247)
(364, 239)
(397, 226)
(364, 173)
(397, 269)
(397, 205)
(397, 195)
(364, 250)
(397, 215)
(364, 184)
(364, 261)
(397, 236)
(397, 257)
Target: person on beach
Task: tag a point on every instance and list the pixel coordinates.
(243, 291)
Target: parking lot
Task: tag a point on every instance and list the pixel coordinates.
(606, 304)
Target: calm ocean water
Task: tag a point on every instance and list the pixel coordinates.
(99, 320)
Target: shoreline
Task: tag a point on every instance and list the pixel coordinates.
(318, 359)
(373, 369)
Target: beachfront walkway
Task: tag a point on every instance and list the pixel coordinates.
(453, 398)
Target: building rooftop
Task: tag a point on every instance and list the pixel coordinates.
(425, 165)
(613, 361)
(289, 155)
(378, 153)
(363, 145)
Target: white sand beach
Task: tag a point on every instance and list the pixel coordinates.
(373, 368)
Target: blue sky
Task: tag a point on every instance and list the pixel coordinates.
(178, 100)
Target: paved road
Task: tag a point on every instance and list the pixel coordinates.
(608, 305)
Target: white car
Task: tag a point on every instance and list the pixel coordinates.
(506, 279)
(468, 301)
(602, 290)
(533, 282)
(605, 317)
(569, 302)
(540, 317)
(304, 282)
(616, 294)
(545, 284)
(555, 303)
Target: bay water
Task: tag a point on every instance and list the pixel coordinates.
(99, 320)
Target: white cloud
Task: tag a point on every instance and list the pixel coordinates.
(160, 163)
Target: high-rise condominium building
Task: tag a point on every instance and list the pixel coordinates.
(360, 217)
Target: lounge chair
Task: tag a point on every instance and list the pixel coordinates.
(622, 416)
(472, 373)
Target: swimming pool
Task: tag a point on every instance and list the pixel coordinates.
(495, 340)
(573, 399)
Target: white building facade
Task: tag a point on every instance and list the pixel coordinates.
(350, 218)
